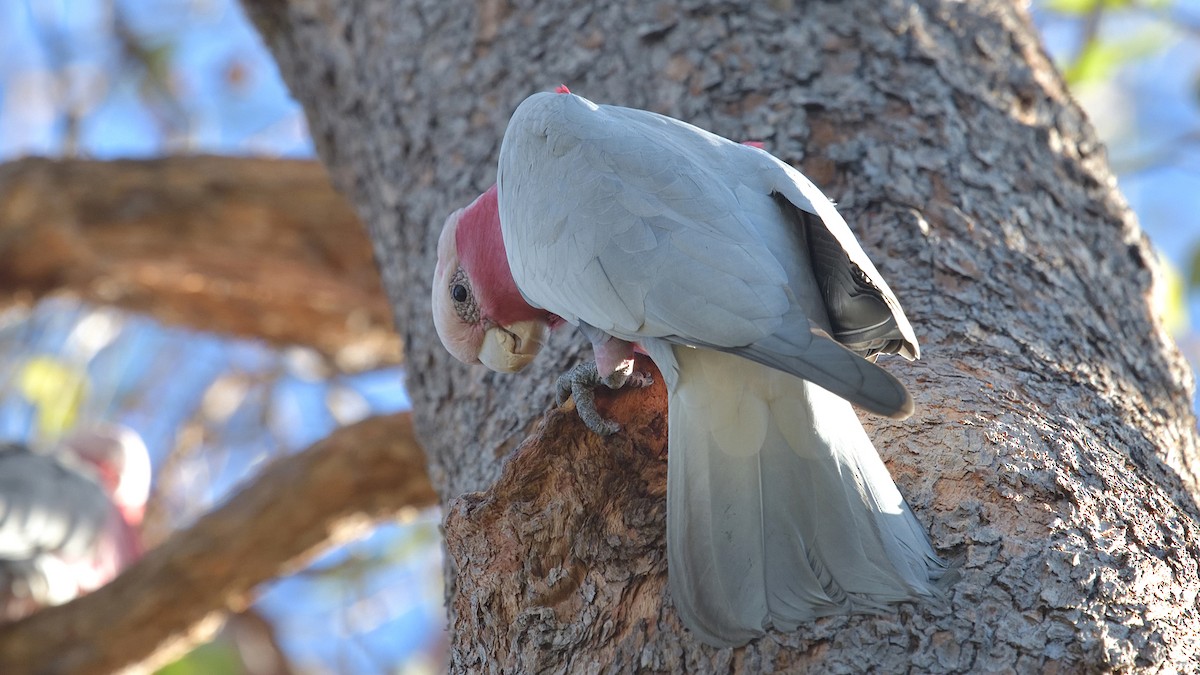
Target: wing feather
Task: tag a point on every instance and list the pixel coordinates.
(45, 507)
(803, 194)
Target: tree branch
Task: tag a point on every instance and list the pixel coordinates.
(178, 592)
(249, 247)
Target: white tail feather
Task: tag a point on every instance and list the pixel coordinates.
(779, 509)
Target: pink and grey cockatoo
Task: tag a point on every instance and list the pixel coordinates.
(69, 517)
(740, 280)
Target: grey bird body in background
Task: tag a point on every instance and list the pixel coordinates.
(62, 531)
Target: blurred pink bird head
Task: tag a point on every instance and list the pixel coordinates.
(120, 462)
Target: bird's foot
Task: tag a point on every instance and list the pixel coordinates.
(581, 382)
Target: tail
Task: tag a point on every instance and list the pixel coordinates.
(779, 509)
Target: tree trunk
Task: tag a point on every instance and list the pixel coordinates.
(1053, 449)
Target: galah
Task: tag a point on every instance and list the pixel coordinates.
(68, 517)
(747, 289)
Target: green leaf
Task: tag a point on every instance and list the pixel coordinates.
(1169, 300)
(1193, 268)
(57, 390)
(1100, 58)
(212, 658)
(1084, 6)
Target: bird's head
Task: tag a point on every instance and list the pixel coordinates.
(121, 463)
(479, 314)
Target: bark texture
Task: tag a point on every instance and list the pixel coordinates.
(1053, 453)
(247, 247)
(177, 594)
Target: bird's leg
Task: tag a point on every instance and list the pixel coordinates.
(612, 367)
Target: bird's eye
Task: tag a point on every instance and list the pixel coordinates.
(465, 305)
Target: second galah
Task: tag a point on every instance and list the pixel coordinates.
(69, 516)
(740, 280)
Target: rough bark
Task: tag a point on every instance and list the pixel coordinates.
(177, 594)
(247, 247)
(1053, 451)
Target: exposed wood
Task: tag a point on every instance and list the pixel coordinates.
(178, 593)
(570, 537)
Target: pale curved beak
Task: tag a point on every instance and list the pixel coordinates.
(507, 349)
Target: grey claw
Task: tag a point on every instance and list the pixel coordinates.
(567, 382)
(562, 389)
(615, 380)
(640, 380)
(581, 381)
(585, 406)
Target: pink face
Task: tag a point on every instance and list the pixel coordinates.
(479, 314)
(456, 313)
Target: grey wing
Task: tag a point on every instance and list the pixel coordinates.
(830, 239)
(45, 507)
(646, 227)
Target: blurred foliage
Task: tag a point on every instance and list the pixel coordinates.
(1172, 295)
(1170, 299)
(144, 77)
(1135, 67)
(214, 657)
(1194, 270)
(1084, 7)
(140, 77)
(1099, 60)
(56, 389)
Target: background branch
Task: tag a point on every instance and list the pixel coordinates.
(245, 247)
